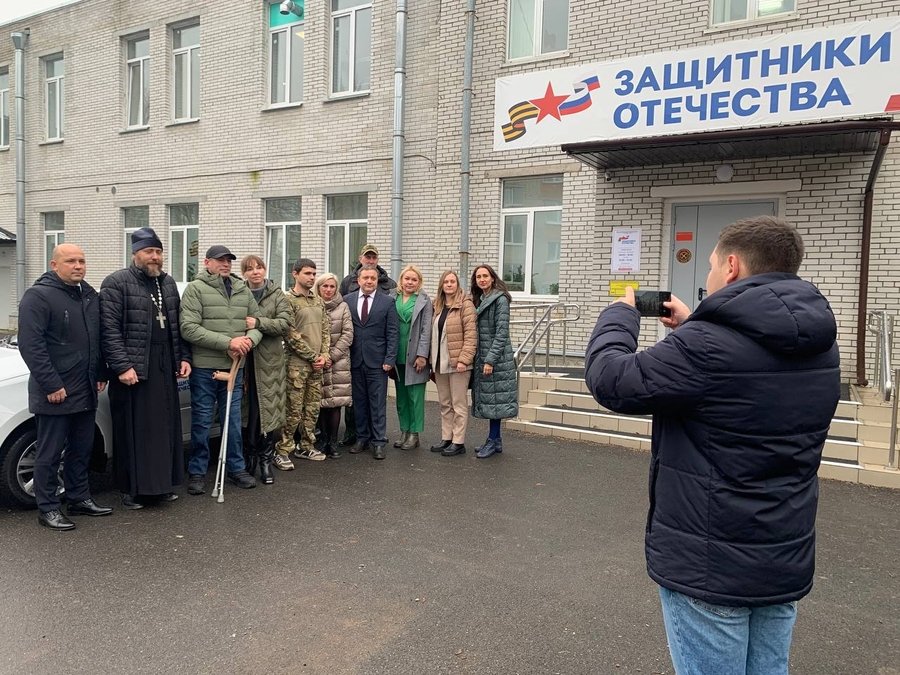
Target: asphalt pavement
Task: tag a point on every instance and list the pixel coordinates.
(529, 562)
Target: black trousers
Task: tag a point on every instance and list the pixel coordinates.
(75, 434)
(370, 405)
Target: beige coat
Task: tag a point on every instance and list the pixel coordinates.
(458, 341)
(336, 389)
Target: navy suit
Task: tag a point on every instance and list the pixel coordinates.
(374, 345)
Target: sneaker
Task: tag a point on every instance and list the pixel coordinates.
(195, 484)
(311, 453)
(283, 462)
(242, 479)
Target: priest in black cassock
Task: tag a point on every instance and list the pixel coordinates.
(139, 335)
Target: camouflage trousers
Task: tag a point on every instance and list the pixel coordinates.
(303, 397)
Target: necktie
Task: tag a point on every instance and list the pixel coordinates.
(365, 309)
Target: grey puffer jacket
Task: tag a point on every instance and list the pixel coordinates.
(494, 396)
(336, 388)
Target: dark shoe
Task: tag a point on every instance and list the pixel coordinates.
(488, 449)
(88, 508)
(55, 520)
(358, 447)
(443, 445)
(129, 502)
(242, 479)
(168, 497)
(251, 461)
(195, 484)
(411, 442)
(454, 449)
(378, 452)
(331, 452)
(347, 441)
(399, 444)
(266, 475)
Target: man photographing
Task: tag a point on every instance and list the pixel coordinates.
(742, 393)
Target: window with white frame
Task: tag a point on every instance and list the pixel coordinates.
(54, 233)
(351, 46)
(186, 72)
(531, 221)
(55, 97)
(4, 107)
(728, 11)
(347, 223)
(537, 27)
(134, 218)
(283, 220)
(137, 67)
(286, 54)
(184, 241)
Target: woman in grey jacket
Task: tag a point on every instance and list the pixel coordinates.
(414, 310)
(337, 391)
(495, 392)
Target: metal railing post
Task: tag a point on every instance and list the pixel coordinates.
(892, 451)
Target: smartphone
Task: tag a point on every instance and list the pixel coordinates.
(650, 303)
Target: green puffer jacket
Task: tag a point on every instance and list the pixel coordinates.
(275, 318)
(209, 318)
(495, 396)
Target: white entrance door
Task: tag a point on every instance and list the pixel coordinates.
(695, 231)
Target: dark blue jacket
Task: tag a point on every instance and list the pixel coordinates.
(375, 341)
(742, 395)
(59, 339)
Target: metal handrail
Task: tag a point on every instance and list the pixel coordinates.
(541, 329)
(892, 451)
(882, 325)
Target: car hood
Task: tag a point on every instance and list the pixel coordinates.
(11, 364)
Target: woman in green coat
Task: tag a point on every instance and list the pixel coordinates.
(495, 392)
(262, 409)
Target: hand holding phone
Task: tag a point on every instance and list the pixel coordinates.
(650, 303)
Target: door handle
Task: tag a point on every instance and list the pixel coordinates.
(701, 293)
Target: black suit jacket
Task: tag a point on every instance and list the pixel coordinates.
(375, 342)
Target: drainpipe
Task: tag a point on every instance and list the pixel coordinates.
(20, 41)
(399, 140)
(862, 310)
(465, 172)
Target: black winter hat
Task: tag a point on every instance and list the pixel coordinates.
(144, 237)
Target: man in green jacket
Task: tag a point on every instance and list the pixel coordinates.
(214, 311)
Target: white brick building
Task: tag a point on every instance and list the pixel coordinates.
(201, 159)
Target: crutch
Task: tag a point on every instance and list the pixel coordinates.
(229, 377)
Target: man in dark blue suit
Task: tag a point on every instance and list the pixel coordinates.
(373, 354)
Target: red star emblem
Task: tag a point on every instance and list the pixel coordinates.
(549, 104)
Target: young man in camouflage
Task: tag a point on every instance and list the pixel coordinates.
(306, 349)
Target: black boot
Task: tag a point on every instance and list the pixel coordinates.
(250, 454)
(266, 456)
(331, 451)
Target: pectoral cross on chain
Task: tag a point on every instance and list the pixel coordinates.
(161, 319)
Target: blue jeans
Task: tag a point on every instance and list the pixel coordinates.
(205, 393)
(706, 639)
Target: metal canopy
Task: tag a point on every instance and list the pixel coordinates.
(860, 136)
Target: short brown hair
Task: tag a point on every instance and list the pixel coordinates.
(251, 261)
(764, 243)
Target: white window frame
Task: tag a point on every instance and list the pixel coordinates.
(351, 12)
(187, 52)
(538, 33)
(286, 263)
(128, 230)
(142, 64)
(288, 30)
(58, 235)
(59, 83)
(752, 15)
(346, 225)
(4, 111)
(182, 231)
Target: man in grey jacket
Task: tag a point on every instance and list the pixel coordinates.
(214, 311)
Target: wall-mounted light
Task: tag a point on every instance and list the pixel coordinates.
(289, 7)
(724, 173)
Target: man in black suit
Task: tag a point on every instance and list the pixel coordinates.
(373, 354)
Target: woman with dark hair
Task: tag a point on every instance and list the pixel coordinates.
(262, 407)
(495, 392)
(452, 350)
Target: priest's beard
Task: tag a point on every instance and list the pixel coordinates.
(150, 271)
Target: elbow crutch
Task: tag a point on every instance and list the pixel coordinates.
(229, 377)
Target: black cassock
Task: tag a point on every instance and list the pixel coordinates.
(149, 456)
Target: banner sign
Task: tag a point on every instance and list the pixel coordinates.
(843, 71)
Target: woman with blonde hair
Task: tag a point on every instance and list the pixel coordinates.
(414, 310)
(336, 389)
(453, 344)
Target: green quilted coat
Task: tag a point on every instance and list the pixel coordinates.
(495, 396)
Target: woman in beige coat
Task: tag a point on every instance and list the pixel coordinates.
(453, 343)
(336, 389)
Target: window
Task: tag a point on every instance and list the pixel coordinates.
(4, 107)
(348, 226)
(531, 221)
(137, 65)
(286, 55)
(184, 241)
(283, 218)
(537, 27)
(726, 11)
(186, 52)
(351, 46)
(55, 69)
(134, 217)
(54, 233)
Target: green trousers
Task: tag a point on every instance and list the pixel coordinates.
(410, 403)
